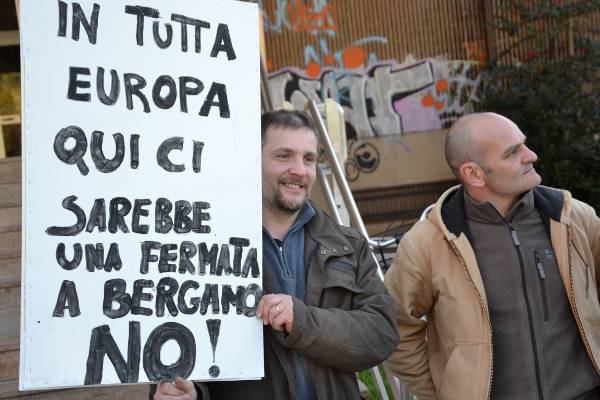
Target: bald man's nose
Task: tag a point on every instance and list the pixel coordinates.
(530, 156)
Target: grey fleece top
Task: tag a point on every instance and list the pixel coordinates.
(538, 351)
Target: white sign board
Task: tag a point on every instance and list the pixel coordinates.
(142, 208)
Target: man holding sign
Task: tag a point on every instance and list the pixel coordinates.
(327, 314)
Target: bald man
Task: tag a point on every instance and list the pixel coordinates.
(497, 290)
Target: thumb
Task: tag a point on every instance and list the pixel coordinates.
(185, 385)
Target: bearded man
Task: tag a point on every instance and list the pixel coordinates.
(327, 314)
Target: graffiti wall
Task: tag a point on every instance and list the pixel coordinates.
(385, 98)
(380, 95)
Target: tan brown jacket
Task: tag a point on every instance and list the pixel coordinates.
(435, 274)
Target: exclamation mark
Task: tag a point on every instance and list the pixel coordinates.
(214, 327)
(135, 151)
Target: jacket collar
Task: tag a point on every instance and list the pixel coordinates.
(549, 202)
(453, 212)
(486, 213)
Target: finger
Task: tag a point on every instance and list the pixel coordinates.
(159, 390)
(168, 388)
(286, 321)
(273, 313)
(269, 314)
(156, 394)
(287, 327)
(277, 306)
(185, 385)
(268, 302)
(283, 322)
(264, 304)
(277, 323)
(175, 397)
(259, 309)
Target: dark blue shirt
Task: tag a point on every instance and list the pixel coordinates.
(286, 259)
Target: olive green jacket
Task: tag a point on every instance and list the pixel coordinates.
(346, 324)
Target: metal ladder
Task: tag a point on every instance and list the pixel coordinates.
(399, 392)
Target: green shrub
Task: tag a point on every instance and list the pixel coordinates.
(555, 101)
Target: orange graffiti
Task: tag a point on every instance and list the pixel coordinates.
(439, 105)
(441, 85)
(427, 100)
(305, 18)
(353, 57)
(313, 70)
(329, 59)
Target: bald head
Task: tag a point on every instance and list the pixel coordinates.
(466, 139)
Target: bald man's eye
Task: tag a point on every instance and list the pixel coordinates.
(512, 152)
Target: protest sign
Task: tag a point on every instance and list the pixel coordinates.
(142, 207)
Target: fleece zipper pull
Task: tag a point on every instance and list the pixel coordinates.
(513, 235)
(542, 273)
(540, 267)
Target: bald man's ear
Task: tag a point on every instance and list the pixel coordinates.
(472, 174)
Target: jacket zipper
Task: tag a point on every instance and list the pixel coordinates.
(542, 275)
(515, 239)
(485, 311)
